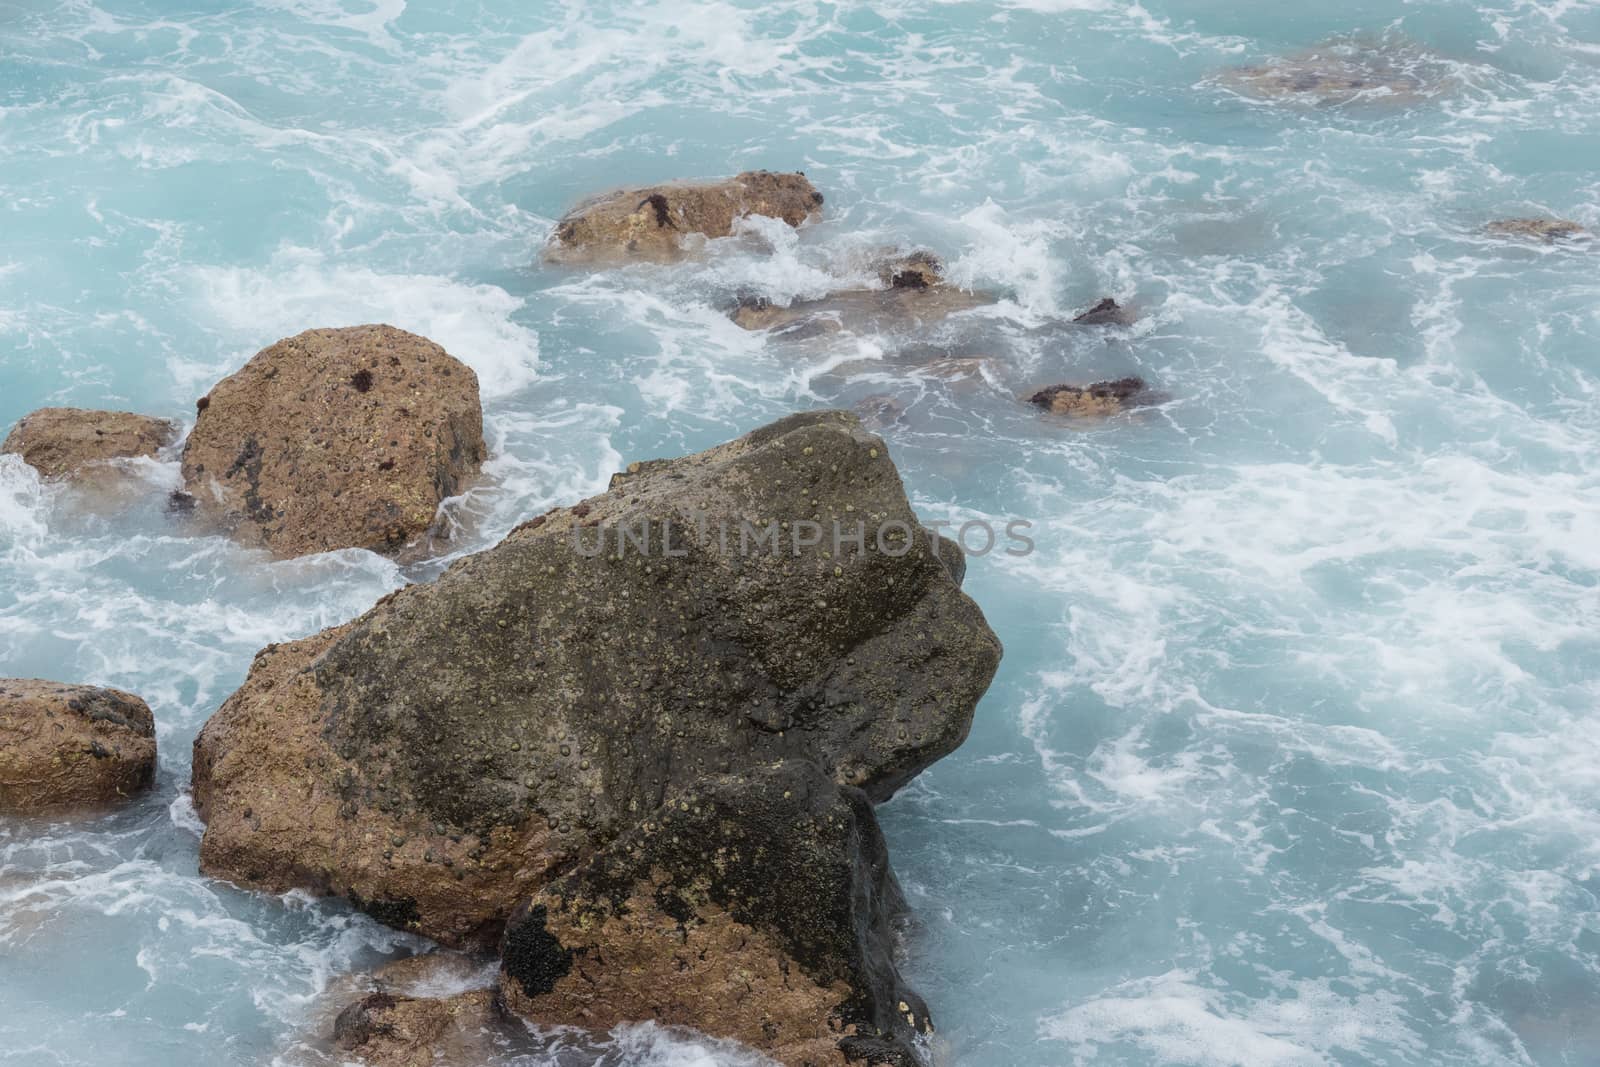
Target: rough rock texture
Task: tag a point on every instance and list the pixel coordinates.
(435, 1007)
(73, 442)
(443, 756)
(650, 223)
(346, 438)
(756, 907)
(1097, 398)
(1379, 70)
(1547, 230)
(394, 1030)
(69, 746)
(914, 292)
(1106, 313)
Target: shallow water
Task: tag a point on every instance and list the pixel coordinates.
(1293, 756)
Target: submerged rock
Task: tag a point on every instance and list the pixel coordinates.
(1106, 313)
(76, 443)
(880, 410)
(650, 223)
(344, 438)
(1097, 398)
(445, 755)
(1347, 70)
(758, 907)
(914, 292)
(1547, 230)
(71, 746)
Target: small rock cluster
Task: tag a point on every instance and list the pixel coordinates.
(343, 438)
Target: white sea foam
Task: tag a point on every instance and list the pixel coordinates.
(475, 323)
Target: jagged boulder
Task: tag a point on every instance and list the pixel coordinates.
(442, 757)
(71, 746)
(1097, 398)
(650, 223)
(758, 907)
(1549, 231)
(76, 443)
(1106, 312)
(342, 438)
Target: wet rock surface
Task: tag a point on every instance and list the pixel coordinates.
(77, 443)
(1550, 231)
(444, 756)
(1106, 313)
(1097, 398)
(339, 438)
(64, 747)
(396, 1030)
(913, 293)
(756, 907)
(650, 223)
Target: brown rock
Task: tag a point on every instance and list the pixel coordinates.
(441, 757)
(68, 746)
(1547, 230)
(1098, 398)
(345, 438)
(913, 293)
(758, 908)
(650, 223)
(74, 442)
(394, 1030)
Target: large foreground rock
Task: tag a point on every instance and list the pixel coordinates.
(71, 746)
(76, 443)
(345, 438)
(650, 223)
(445, 755)
(757, 907)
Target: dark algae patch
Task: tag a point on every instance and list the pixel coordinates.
(532, 956)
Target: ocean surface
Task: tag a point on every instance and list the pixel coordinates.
(1294, 757)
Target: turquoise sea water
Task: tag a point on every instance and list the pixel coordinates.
(1295, 754)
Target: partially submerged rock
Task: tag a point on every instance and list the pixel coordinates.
(1097, 398)
(649, 223)
(918, 270)
(1549, 231)
(447, 754)
(343, 438)
(71, 746)
(1106, 313)
(758, 907)
(76, 443)
(394, 1030)
(1384, 70)
(420, 1010)
(914, 292)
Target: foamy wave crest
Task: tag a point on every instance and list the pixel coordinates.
(302, 289)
